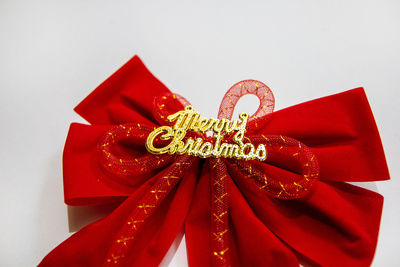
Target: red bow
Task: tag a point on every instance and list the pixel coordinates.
(234, 212)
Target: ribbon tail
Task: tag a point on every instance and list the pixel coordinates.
(336, 225)
(253, 244)
(198, 223)
(92, 246)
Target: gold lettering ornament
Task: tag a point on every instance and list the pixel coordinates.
(190, 120)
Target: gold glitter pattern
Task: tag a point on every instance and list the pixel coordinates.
(219, 207)
(288, 184)
(146, 207)
(257, 88)
(164, 106)
(127, 165)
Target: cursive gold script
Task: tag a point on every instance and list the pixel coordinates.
(190, 120)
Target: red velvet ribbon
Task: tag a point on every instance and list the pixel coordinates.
(293, 207)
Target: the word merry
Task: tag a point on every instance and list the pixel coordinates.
(190, 120)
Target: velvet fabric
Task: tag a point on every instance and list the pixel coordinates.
(337, 224)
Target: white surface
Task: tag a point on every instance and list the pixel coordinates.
(53, 53)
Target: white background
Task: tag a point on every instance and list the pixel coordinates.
(53, 53)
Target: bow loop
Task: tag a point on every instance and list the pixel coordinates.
(123, 156)
(257, 88)
(166, 104)
(289, 171)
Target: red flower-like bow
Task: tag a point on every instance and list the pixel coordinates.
(293, 207)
